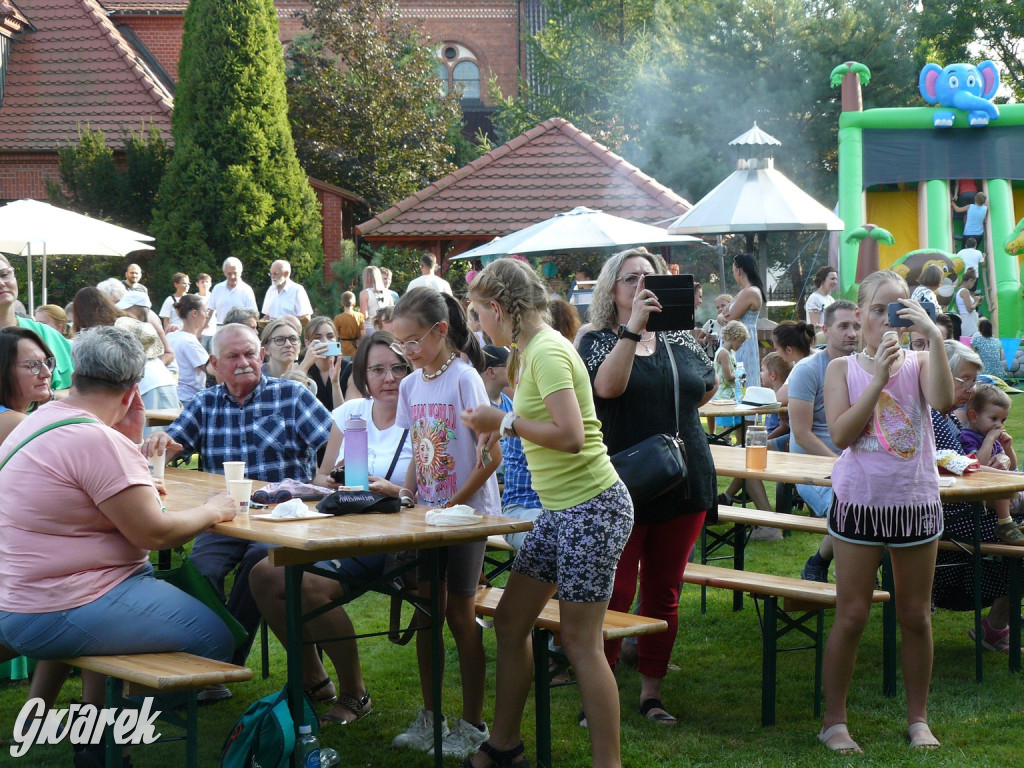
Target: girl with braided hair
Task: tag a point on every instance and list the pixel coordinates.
(431, 330)
(576, 542)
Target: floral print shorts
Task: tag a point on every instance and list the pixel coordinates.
(578, 548)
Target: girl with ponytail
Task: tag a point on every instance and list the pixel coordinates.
(576, 542)
(431, 331)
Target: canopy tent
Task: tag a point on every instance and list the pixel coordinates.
(581, 229)
(756, 199)
(30, 227)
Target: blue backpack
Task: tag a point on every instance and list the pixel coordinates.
(264, 736)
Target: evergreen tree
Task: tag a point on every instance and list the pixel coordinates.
(367, 110)
(234, 186)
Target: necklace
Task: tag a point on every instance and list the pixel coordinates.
(442, 369)
(647, 342)
(869, 357)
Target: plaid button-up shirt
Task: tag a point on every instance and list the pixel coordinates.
(276, 431)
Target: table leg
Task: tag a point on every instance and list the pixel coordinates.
(293, 603)
(1016, 566)
(542, 696)
(976, 541)
(437, 650)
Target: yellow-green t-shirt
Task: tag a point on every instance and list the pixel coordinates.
(562, 480)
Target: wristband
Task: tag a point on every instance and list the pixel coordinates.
(508, 424)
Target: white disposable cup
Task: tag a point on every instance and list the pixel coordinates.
(156, 467)
(240, 491)
(233, 470)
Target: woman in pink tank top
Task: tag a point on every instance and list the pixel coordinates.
(876, 403)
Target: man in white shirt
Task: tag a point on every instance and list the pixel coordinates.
(428, 279)
(284, 296)
(233, 292)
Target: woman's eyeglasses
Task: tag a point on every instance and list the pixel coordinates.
(919, 345)
(398, 370)
(35, 366)
(630, 279)
(412, 346)
(282, 340)
(968, 386)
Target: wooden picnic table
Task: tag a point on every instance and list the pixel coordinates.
(728, 408)
(301, 543)
(161, 417)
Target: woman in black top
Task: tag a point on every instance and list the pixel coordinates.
(633, 382)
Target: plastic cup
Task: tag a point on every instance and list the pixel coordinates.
(233, 470)
(241, 491)
(156, 467)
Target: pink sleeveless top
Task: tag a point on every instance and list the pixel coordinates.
(890, 468)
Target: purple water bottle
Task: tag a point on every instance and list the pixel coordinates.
(356, 453)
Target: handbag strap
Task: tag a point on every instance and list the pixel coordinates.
(42, 430)
(398, 452)
(675, 376)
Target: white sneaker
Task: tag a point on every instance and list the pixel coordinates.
(463, 740)
(420, 735)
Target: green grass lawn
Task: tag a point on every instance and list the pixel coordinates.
(715, 693)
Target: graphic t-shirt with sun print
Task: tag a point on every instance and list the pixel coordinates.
(444, 448)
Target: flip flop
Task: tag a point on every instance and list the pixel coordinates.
(920, 736)
(647, 708)
(844, 745)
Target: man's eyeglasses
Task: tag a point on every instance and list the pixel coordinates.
(398, 370)
(410, 347)
(282, 340)
(629, 279)
(35, 366)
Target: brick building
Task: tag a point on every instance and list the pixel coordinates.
(112, 64)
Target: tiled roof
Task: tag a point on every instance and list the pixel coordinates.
(75, 69)
(145, 6)
(547, 170)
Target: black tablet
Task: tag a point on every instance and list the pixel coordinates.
(678, 302)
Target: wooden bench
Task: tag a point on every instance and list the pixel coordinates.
(498, 558)
(616, 626)
(803, 602)
(742, 519)
(148, 674)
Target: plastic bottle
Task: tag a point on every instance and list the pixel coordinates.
(740, 382)
(356, 471)
(309, 747)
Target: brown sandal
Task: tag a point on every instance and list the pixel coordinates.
(360, 707)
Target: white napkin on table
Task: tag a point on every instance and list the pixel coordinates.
(291, 508)
(460, 514)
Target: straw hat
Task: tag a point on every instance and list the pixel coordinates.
(145, 333)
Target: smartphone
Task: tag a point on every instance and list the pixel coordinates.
(677, 297)
(895, 321)
(333, 349)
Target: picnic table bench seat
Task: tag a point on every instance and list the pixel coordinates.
(147, 674)
(804, 603)
(617, 625)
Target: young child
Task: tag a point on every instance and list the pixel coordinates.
(987, 412)
(774, 372)
(877, 405)
(974, 221)
(431, 329)
(733, 335)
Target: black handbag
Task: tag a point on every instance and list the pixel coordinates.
(359, 502)
(657, 465)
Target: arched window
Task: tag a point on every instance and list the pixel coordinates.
(467, 75)
(457, 69)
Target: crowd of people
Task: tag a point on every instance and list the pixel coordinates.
(450, 391)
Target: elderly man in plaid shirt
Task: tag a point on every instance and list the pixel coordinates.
(275, 426)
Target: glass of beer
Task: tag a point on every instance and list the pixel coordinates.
(757, 447)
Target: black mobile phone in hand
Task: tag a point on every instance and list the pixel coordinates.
(895, 321)
(677, 297)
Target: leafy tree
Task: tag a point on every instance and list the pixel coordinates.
(370, 117)
(234, 186)
(956, 30)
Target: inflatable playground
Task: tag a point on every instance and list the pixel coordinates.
(903, 172)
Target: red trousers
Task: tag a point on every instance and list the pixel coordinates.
(659, 552)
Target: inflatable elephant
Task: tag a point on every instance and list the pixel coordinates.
(961, 86)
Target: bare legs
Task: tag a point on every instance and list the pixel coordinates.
(582, 641)
(913, 571)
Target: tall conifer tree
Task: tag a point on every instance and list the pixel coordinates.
(234, 186)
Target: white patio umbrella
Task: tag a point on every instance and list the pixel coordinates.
(30, 227)
(581, 229)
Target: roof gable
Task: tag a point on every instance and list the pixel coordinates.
(76, 69)
(547, 170)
